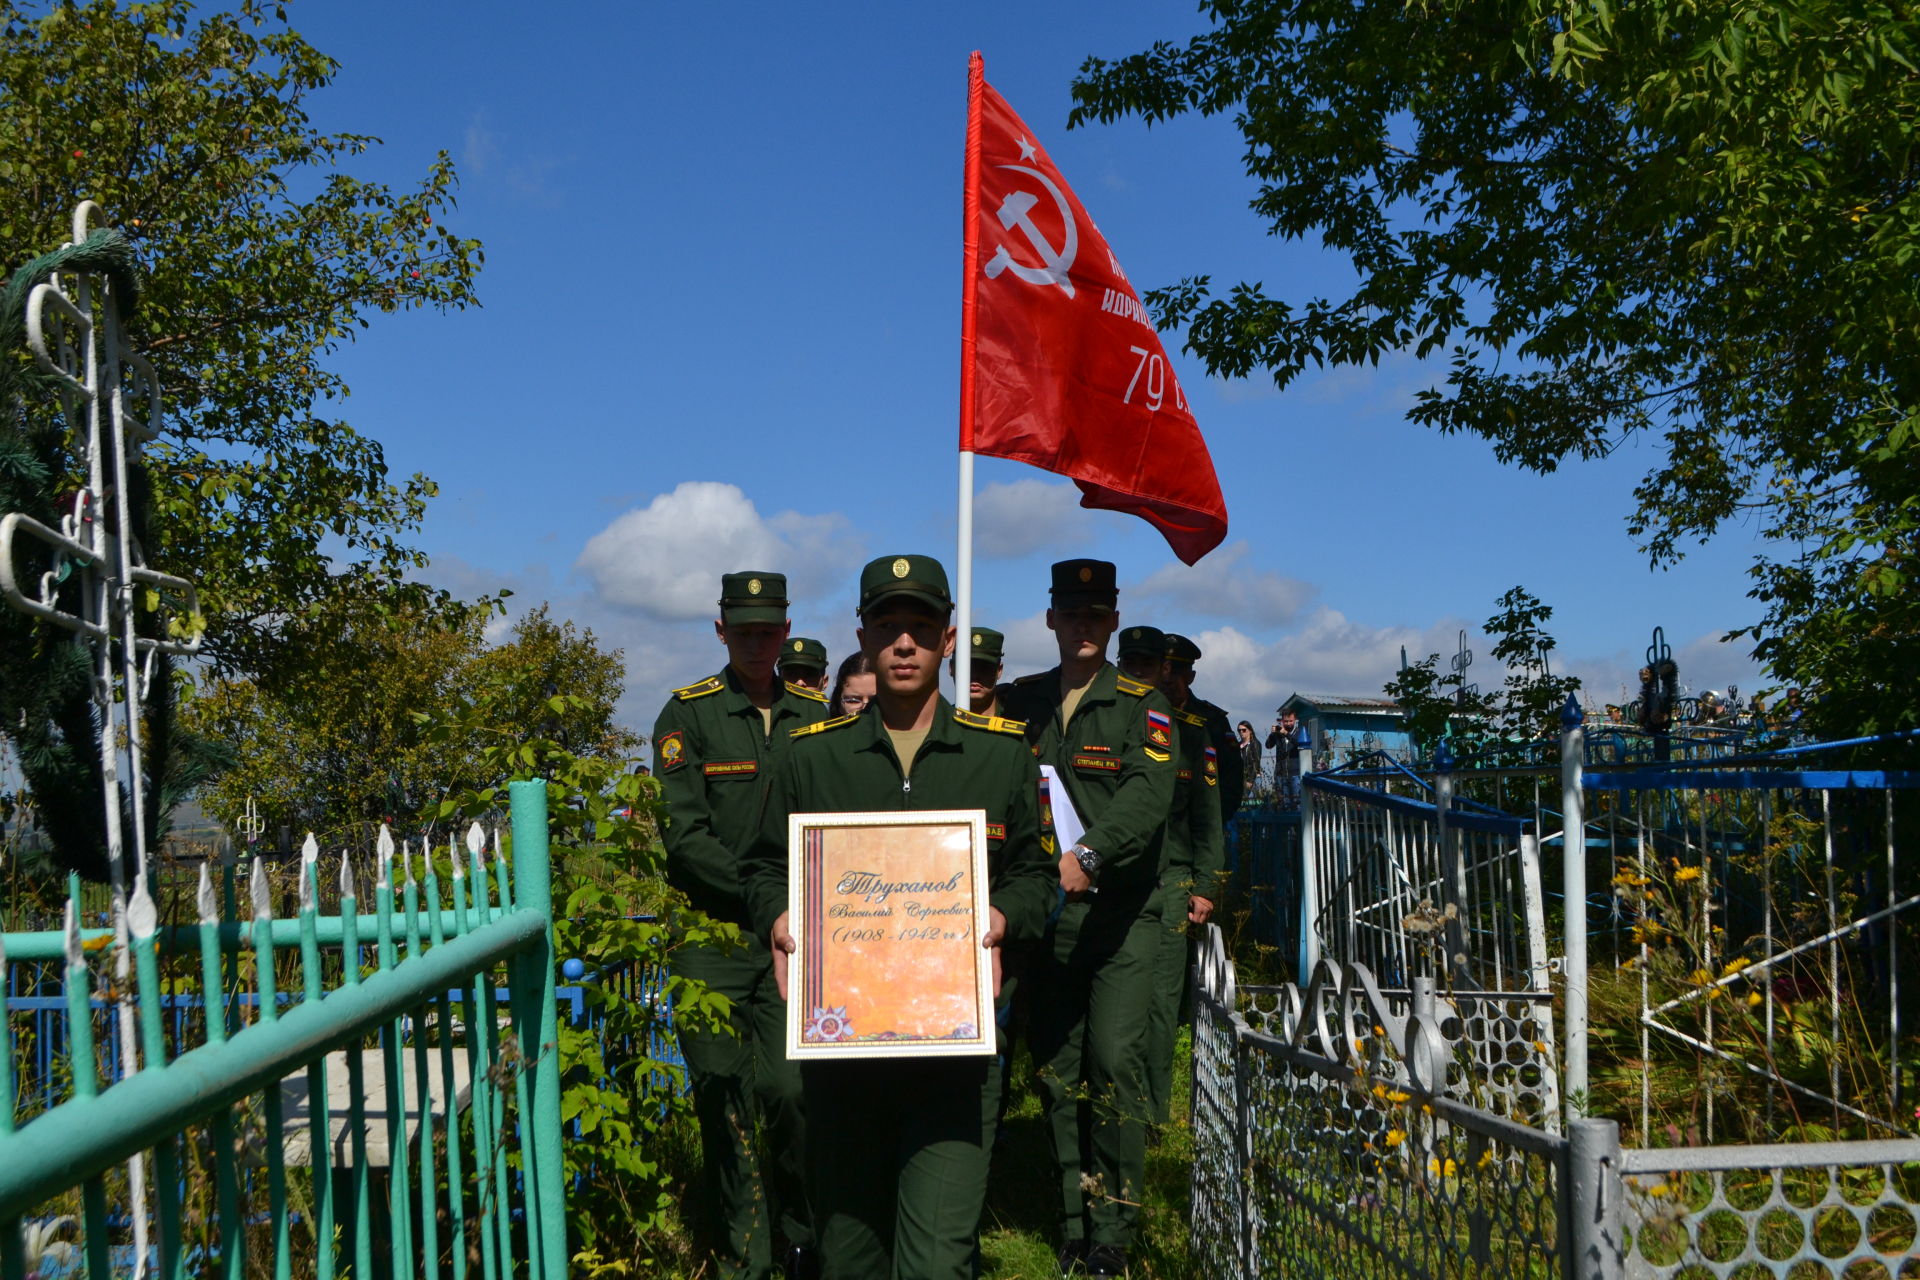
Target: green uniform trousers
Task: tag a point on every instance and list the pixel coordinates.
(897, 1164)
(1169, 985)
(747, 1096)
(1089, 993)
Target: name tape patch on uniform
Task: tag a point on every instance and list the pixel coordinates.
(730, 768)
(671, 750)
(996, 831)
(1159, 728)
(1106, 764)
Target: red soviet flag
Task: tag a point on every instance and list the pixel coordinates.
(1060, 365)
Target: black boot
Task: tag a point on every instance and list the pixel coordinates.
(1073, 1258)
(802, 1263)
(1106, 1260)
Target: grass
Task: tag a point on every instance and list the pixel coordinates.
(1018, 1238)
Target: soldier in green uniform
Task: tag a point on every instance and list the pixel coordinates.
(1182, 653)
(897, 1162)
(983, 687)
(1196, 853)
(804, 662)
(715, 746)
(1110, 740)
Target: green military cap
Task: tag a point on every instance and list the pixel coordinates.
(1081, 584)
(988, 645)
(1181, 649)
(751, 596)
(915, 577)
(1151, 641)
(808, 655)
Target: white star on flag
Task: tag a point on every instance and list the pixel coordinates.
(1026, 149)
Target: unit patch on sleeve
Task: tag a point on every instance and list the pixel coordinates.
(1213, 767)
(1159, 728)
(671, 751)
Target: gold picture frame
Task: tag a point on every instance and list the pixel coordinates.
(887, 910)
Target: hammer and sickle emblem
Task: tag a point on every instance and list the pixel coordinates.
(1016, 211)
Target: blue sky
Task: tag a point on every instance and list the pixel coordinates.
(720, 321)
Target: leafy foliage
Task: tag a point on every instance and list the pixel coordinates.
(338, 747)
(1693, 224)
(608, 865)
(1525, 709)
(260, 257)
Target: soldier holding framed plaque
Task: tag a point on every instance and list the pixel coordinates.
(910, 818)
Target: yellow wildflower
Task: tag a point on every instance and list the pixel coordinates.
(1398, 1095)
(1540, 1045)
(1659, 1189)
(1445, 1170)
(1734, 966)
(1753, 998)
(1379, 1091)
(1685, 874)
(1395, 1137)
(1700, 977)
(1486, 1158)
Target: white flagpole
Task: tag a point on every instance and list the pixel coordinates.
(963, 614)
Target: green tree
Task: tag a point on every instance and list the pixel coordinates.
(260, 256)
(1524, 710)
(1690, 223)
(346, 742)
(1528, 708)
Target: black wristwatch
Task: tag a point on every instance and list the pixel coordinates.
(1089, 860)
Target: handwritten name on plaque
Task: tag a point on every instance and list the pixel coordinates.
(887, 910)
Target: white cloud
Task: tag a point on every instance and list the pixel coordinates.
(665, 559)
(1015, 517)
(1220, 586)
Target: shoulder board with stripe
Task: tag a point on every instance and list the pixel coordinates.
(823, 726)
(1192, 719)
(1128, 685)
(805, 692)
(710, 685)
(995, 724)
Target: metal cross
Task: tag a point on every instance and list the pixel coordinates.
(1460, 662)
(111, 400)
(112, 403)
(1659, 651)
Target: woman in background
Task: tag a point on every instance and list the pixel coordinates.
(853, 686)
(1249, 755)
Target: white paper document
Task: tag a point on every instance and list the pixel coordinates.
(1066, 819)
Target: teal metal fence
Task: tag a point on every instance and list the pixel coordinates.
(390, 1118)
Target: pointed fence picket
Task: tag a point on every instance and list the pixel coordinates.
(458, 1171)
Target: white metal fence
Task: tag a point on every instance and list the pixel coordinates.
(1726, 951)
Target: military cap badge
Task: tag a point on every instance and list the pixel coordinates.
(901, 568)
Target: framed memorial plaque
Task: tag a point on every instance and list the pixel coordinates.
(888, 910)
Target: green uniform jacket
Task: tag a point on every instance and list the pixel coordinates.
(715, 760)
(1117, 759)
(847, 765)
(1196, 840)
(1224, 741)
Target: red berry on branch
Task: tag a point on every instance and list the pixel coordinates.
(78, 154)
